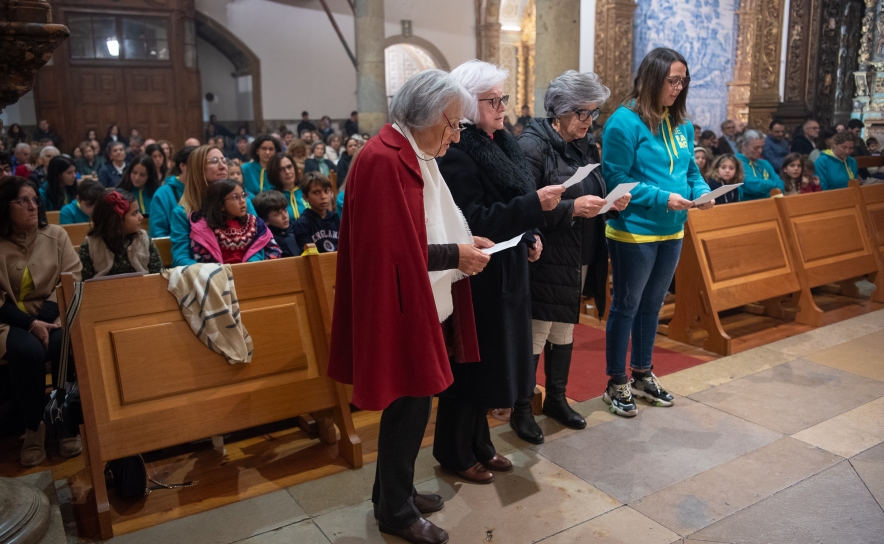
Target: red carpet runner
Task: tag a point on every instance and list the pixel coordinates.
(587, 378)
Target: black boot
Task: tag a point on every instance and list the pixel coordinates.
(557, 364)
(522, 420)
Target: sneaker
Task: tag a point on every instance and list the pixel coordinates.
(647, 387)
(620, 399)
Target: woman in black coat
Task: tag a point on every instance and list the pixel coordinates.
(575, 261)
(488, 178)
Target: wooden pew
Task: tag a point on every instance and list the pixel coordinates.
(732, 255)
(831, 241)
(147, 382)
(164, 245)
(77, 231)
(870, 162)
(872, 199)
(53, 218)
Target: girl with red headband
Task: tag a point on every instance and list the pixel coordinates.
(117, 244)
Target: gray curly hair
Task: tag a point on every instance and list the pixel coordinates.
(572, 90)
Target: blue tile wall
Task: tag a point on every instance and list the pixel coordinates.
(703, 32)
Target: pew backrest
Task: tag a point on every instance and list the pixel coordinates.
(870, 162)
(53, 218)
(829, 236)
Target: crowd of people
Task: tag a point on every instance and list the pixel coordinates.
(424, 306)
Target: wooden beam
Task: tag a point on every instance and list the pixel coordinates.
(334, 23)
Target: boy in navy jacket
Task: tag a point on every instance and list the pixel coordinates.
(318, 224)
(272, 207)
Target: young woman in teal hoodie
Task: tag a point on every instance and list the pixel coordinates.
(167, 197)
(835, 166)
(648, 140)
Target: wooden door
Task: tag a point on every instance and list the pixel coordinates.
(150, 96)
(100, 96)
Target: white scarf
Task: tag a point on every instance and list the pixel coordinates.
(445, 225)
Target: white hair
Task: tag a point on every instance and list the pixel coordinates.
(49, 149)
(749, 136)
(21, 145)
(478, 77)
(573, 90)
(421, 101)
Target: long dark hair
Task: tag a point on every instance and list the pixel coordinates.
(15, 134)
(107, 225)
(149, 151)
(9, 188)
(274, 171)
(152, 183)
(256, 145)
(648, 88)
(212, 207)
(56, 192)
(789, 183)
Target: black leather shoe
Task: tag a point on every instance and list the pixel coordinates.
(557, 365)
(522, 419)
(420, 532)
(425, 504)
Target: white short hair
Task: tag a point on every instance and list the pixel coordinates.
(49, 149)
(421, 101)
(749, 136)
(573, 90)
(478, 77)
(22, 145)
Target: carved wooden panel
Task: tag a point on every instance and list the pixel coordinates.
(726, 253)
(136, 350)
(829, 231)
(727, 237)
(100, 96)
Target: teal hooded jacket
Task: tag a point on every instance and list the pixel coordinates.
(662, 162)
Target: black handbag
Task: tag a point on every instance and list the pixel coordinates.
(128, 477)
(64, 413)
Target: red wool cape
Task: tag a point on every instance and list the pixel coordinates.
(386, 339)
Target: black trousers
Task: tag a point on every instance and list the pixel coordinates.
(27, 371)
(462, 435)
(403, 424)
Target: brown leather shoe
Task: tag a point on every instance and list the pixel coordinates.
(420, 532)
(477, 474)
(425, 504)
(498, 463)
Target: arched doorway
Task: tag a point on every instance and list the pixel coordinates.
(403, 61)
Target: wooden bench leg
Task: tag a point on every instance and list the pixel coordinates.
(848, 288)
(325, 426)
(349, 446)
(808, 312)
(878, 279)
(773, 307)
(95, 468)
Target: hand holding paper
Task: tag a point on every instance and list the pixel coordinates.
(503, 245)
(580, 174)
(709, 197)
(616, 194)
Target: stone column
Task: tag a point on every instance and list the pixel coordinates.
(764, 90)
(558, 45)
(490, 44)
(738, 89)
(371, 76)
(613, 49)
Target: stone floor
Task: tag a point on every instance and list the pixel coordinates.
(783, 443)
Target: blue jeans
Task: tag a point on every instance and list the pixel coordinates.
(642, 274)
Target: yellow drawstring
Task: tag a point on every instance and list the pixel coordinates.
(261, 183)
(141, 201)
(671, 139)
(294, 204)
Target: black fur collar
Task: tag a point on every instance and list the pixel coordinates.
(500, 158)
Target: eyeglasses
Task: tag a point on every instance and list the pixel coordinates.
(496, 102)
(675, 81)
(25, 201)
(583, 114)
(215, 161)
(236, 197)
(460, 126)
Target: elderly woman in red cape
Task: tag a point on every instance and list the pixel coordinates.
(404, 256)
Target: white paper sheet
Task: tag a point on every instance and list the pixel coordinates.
(709, 197)
(616, 194)
(503, 245)
(580, 174)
